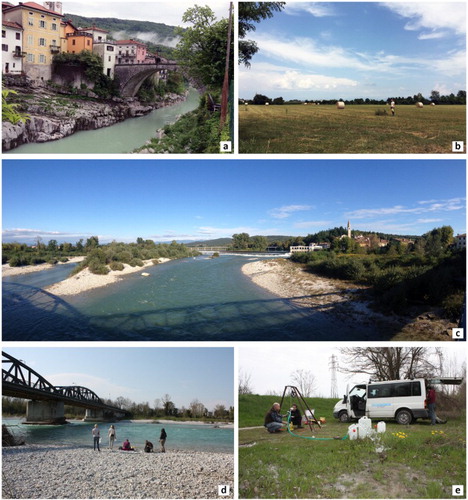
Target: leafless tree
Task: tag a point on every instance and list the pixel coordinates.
(391, 363)
(304, 381)
(197, 408)
(245, 385)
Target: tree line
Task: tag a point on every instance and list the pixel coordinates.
(435, 97)
(161, 407)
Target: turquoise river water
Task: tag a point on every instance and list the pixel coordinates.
(189, 299)
(204, 437)
(123, 137)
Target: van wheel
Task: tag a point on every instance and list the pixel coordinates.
(344, 417)
(404, 417)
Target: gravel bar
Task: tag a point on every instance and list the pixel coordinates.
(37, 471)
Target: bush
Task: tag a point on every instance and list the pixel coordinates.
(453, 306)
(63, 259)
(136, 262)
(97, 267)
(52, 261)
(116, 266)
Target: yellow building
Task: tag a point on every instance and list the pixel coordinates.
(41, 37)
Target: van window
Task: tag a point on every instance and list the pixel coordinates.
(402, 389)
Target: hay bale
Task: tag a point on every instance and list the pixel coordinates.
(432, 103)
(340, 105)
(267, 104)
(419, 105)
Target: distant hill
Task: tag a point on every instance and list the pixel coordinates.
(154, 34)
(220, 242)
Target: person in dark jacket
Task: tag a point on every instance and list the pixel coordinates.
(162, 440)
(148, 446)
(296, 417)
(273, 420)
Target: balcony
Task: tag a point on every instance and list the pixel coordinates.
(19, 53)
(54, 49)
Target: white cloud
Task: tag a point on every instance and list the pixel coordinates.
(286, 211)
(433, 35)
(315, 9)
(434, 16)
(427, 206)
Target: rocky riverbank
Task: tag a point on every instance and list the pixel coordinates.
(68, 472)
(344, 301)
(55, 115)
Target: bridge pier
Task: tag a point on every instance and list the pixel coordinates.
(45, 413)
(93, 415)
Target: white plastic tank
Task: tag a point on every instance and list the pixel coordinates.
(381, 427)
(353, 432)
(364, 427)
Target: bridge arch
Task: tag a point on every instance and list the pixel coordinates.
(131, 76)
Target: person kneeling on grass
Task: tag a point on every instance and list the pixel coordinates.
(273, 419)
(296, 417)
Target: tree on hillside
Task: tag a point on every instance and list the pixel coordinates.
(202, 47)
(240, 241)
(249, 13)
(245, 384)
(305, 381)
(389, 363)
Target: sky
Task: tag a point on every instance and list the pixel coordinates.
(140, 374)
(194, 200)
(270, 366)
(349, 50)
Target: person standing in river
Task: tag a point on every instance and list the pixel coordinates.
(112, 435)
(96, 436)
(162, 440)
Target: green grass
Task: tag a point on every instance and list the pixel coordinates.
(425, 463)
(355, 129)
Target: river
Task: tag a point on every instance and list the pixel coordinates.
(199, 437)
(200, 299)
(123, 137)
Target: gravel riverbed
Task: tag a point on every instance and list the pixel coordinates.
(68, 472)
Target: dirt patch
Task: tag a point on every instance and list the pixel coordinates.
(395, 482)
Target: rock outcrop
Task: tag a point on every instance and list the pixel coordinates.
(54, 116)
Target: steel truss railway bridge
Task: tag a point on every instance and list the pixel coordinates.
(46, 401)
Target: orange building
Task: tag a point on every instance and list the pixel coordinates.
(74, 40)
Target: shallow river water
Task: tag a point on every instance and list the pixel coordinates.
(203, 437)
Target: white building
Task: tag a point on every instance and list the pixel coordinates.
(460, 241)
(105, 49)
(12, 47)
(303, 248)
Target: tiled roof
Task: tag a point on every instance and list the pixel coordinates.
(11, 24)
(129, 42)
(94, 28)
(36, 6)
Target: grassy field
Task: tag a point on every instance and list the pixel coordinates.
(355, 129)
(415, 461)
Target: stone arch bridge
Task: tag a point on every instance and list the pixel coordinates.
(46, 401)
(131, 76)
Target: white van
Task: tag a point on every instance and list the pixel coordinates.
(402, 400)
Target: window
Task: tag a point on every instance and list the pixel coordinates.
(110, 58)
(42, 59)
(30, 40)
(380, 391)
(73, 42)
(110, 48)
(42, 42)
(3, 34)
(31, 58)
(31, 21)
(87, 43)
(403, 389)
(4, 47)
(54, 26)
(42, 24)
(399, 390)
(18, 36)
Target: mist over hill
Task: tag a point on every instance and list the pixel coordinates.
(156, 34)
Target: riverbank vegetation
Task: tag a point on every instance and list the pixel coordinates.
(100, 259)
(429, 271)
(201, 53)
